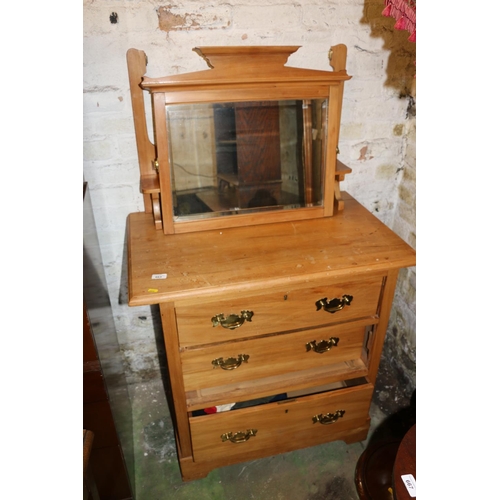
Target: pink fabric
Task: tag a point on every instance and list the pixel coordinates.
(405, 13)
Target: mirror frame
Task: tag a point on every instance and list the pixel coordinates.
(237, 74)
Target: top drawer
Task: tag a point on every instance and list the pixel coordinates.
(280, 311)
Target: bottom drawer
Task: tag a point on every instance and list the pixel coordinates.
(280, 427)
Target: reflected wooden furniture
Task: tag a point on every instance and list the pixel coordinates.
(273, 322)
(237, 167)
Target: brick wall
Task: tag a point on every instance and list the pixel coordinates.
(377, 134)
(400, 346)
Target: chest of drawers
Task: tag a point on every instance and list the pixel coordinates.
(278, 326)
(274, 287)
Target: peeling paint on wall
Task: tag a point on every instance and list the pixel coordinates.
(168, 21)
(362, 154)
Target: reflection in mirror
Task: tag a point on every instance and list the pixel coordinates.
(246, 157)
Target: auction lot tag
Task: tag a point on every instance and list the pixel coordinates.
(411, 484)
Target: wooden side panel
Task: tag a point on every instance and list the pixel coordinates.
(136, 62)
(334, 110)
(161, 139)
(338, 59)
(175, 373)
(381, 328)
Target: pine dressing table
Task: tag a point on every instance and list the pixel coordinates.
(274, 286)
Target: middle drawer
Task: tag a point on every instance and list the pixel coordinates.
(245, 317)
(252, 359)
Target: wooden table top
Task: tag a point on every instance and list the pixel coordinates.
(217, 263)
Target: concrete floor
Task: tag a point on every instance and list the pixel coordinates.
(316, 473)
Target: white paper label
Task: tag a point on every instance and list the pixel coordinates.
(225, 407)
(411, 484)
(159, 276)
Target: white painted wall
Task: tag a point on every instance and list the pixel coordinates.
(375, 135)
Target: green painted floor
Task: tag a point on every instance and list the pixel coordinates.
(316, 473)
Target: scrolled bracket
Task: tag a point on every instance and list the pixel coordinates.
(334, 305)
(233, 320)
(238, 437)
(323, 345)
(230, 363)
(329, 418)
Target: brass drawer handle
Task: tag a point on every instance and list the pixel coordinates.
(329, 418)
(233, 320)
(239, 437)
(334, 305)
(323, 345)
(230, 363)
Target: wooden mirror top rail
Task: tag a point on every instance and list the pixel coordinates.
(246, 69)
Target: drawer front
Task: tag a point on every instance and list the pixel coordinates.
(234, 362)
(276, 312)
(280, 427)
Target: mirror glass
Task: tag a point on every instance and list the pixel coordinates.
(245, 157)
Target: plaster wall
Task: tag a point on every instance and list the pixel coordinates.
(400, 346)
(376, 138)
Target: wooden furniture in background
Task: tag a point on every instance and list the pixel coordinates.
(107, 461)
(373, 473)
(273, 322)
(405, 463)
(89, 487)
(102, 373)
